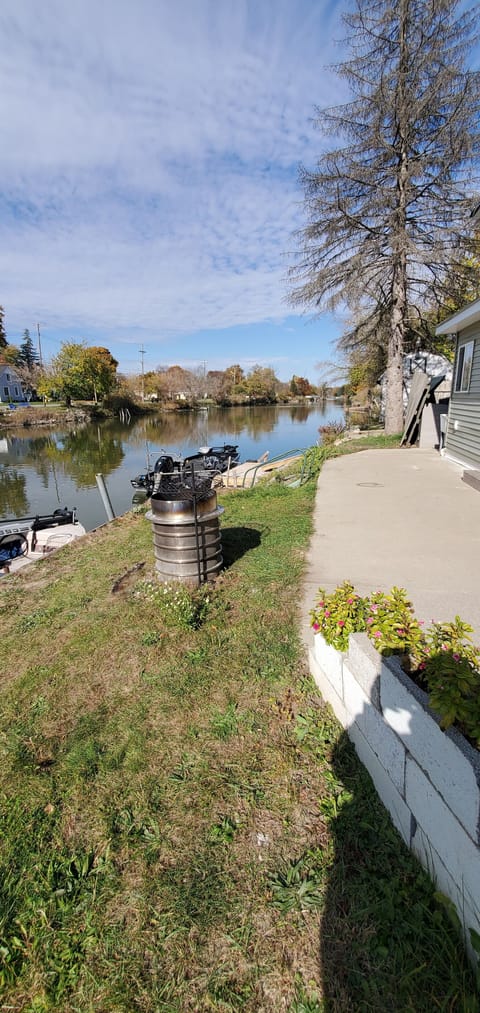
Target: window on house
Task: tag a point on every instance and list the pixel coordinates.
(464, 366)
(16, 391)
(8, 377)
(6, 392)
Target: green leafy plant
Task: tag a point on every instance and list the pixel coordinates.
(442, 659)
(295, 888)
(450, 670)
(392, 625)
(224, 831)
(339, 614)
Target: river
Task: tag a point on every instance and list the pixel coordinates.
(41, 470)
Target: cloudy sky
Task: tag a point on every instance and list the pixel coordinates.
(149, 164)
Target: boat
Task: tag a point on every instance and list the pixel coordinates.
(25, 539)
(208, 462)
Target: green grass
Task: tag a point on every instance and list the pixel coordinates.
(184, 825)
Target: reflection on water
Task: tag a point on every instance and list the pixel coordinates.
(13, 494)
(41, 471)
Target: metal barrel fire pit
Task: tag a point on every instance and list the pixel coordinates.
(186, 531)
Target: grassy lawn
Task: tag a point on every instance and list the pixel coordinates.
(184, 826)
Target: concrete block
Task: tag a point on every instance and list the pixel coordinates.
(446, 836)
(331, 661)
(366, 662)
(451, 764)
(432, 863)
(385, 744)
(327, 691)
(391, 798)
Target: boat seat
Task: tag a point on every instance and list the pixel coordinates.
(12, 546)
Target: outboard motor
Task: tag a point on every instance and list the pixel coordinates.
(164, 464)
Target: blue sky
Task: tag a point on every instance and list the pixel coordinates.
(149, 176)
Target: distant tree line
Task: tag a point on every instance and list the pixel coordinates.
(83, 372)
(233, 385)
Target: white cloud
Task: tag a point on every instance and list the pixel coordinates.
(149, 157)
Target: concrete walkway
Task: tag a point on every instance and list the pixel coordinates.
(404, 517)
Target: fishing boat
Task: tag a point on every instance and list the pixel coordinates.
(208, 462)
(25, 539)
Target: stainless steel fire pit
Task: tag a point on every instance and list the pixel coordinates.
(186, 530)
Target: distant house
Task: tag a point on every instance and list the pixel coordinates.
(462, 439)
(11, 389)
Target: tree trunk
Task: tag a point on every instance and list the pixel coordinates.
(394, 395)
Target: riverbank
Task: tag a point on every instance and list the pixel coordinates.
(184, 825)
(54, 415)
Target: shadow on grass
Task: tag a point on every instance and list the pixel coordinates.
(236, 542)
(386, 942)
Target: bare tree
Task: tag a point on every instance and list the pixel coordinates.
(387, 211)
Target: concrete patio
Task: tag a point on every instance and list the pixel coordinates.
(404, 517)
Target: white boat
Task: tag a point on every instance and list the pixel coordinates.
(26, 539)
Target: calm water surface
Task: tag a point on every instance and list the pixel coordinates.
(47, 469)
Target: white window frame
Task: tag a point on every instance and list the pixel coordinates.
(464, 367)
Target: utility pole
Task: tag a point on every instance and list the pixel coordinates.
(142, 353)
(39, 347)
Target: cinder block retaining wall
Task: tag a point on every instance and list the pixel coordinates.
(428, 779)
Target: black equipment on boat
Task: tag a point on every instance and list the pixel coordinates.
(207, 463)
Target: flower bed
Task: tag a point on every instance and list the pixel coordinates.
(428, 778)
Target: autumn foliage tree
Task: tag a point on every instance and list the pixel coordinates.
(387, 207)
(80, 371)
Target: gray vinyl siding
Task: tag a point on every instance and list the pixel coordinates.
(463, 433)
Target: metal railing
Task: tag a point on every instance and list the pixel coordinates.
(302, 451)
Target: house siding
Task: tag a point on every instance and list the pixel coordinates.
(463, 431)
(11, 390)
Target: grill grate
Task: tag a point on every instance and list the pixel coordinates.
(183, 487)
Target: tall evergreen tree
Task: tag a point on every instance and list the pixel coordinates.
(3, 336)
(28, 352)
(387, 210)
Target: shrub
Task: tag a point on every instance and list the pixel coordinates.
(442, 659)
(392, 626)
(339, 614)
(331, 432)
(116, 402)
(450, 670)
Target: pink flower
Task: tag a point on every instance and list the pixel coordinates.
(444, 647)
(328, 613)
(374, 608)
(350, 601)
(321, 604)
(316, 627)
(456, 657)
(370, 621)
(401, 632)
(341, 622)
(421, 622)
(377, 633)
(422, 665)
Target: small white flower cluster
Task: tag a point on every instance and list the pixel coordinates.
(179, 605)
